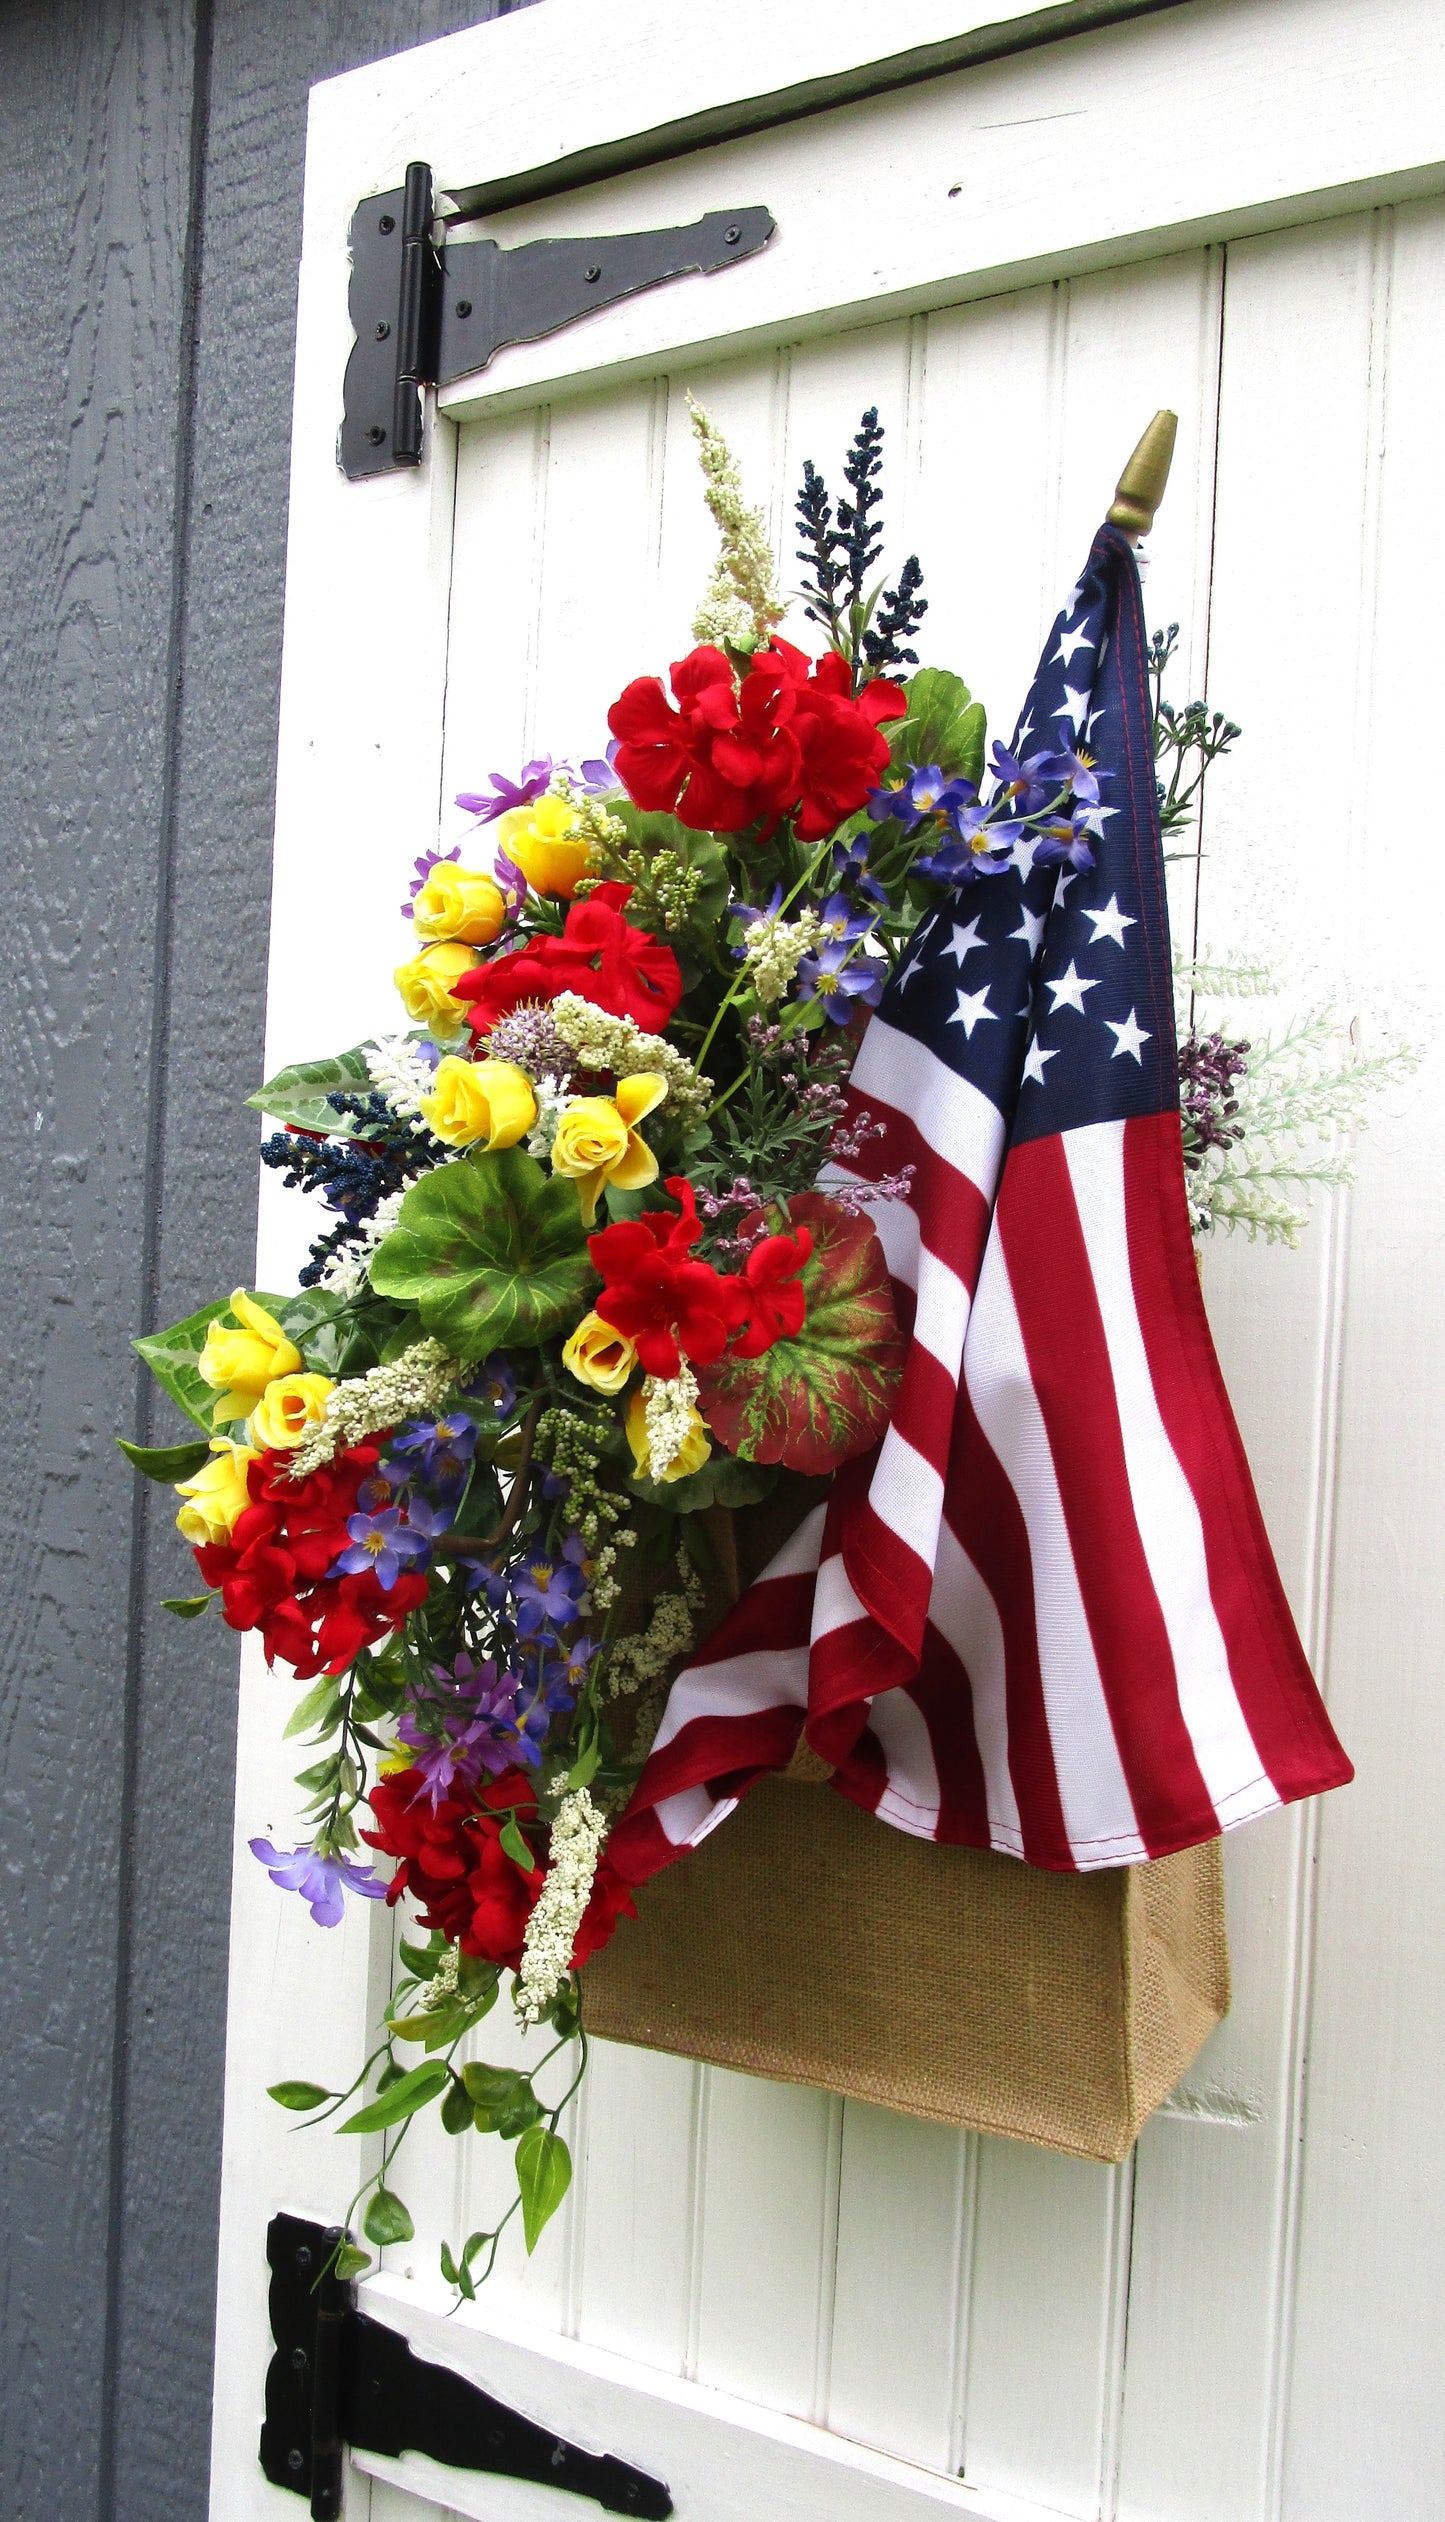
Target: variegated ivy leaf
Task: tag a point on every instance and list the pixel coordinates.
(814, 1401)
(297, 1095)
(492, 1251)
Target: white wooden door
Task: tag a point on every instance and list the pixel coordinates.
(786, 2307)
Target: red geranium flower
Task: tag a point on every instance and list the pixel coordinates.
(599, 956)
(783, 741)
(776, 1301)
(272, 1574)
(669, 1305)
(452, 1861)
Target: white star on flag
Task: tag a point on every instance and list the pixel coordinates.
(1069, 992)
(973, 1009)
(1111, 922)
(1072, 706)
(1069, 644)
(966, 941)
(1031, 933)
(1127, 1037)
(1022, 855)
(1034, 1059)
(911, 969)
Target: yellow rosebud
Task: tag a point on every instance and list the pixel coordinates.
(217, 1496)
(239, 1364)
(459, 902)
(425, 986)
(696, 1446)
(598, 1355)
(488, 1103)
(598, 1140)
(287, 1409)
(543, 840)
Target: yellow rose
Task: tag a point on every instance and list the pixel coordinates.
(695, 1445)
(598, 1140)
(598, 1355)
(240, 1364)
(288, 1408)
(543, 840)
(487, 1103)
(458, 902)
(425, 986)
(217, 1496)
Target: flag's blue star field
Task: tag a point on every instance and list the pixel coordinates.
(1049, 988)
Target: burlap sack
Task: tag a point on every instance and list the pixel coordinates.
(807, 1942)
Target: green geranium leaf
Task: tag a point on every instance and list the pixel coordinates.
(299, 2096)
(187, 1606)
(409, 2093)
(813, 1402)
(351, 2262)
(297, 1095)
(544, 2174)
(944, 725)
(171, 1356)
(722, 1481)
(387, 2220)
(491, 1250)
(166, 1462)
(422, 1960)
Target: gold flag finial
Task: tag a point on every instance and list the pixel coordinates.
(1142, 482)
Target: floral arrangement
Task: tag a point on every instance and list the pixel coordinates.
(586, 1279)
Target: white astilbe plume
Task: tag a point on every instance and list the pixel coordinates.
(413, 1386)
(668, 1405)
(401, 1073)
(345, 1273)
(742, 603)
(576, 1844)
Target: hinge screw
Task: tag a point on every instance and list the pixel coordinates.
(731, 235)
(593, 272)
(295, 2462)
(376, 434)
(303, 2257)
(386, 223)
(464, 306)
(298, 2359)
(382, 331)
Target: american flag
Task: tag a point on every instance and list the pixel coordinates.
(1042, 1615)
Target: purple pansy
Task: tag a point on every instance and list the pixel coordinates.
(850, 866)
(841, 923)
(838, 976)
(495, 1383)
(1063, 836)
(550, 1588)
(382, 1543)
(924, 793)
(321, 1880)
(439, 1449)
(1027, 786)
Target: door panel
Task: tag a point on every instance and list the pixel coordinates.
(789, 2306)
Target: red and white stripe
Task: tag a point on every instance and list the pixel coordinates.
(1042, 1616)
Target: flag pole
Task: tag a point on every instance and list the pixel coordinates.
(1141, 484)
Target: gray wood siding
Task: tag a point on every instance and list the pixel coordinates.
(150, 191)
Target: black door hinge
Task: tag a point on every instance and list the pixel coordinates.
(338, 2378)
(425, 314)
